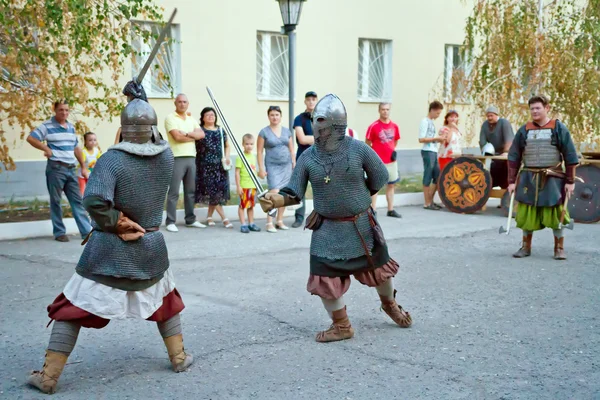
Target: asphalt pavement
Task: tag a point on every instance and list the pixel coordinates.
(485, 325)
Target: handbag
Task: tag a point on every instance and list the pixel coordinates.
(226, 166)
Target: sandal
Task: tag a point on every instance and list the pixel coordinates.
(430, 207)
(271, 228)
(228, 225)
(281, 225)
(210, 221)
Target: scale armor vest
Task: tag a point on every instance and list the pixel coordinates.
(347, 194)
(539, 151)
(137, 186)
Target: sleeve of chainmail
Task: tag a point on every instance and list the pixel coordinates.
(102, 213)
(377, 174)
(100, 190)
(296, 188)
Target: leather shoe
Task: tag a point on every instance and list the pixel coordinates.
(62, 238)
(298, 222)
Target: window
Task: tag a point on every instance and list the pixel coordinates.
(163, 78)
(272, 75)
(456, 72)
(374, 70)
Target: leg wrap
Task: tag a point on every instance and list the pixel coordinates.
(63, 337)
(558, 233)
(170, 327)
(333, 305)
(386, 289)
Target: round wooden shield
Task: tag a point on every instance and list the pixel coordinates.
(465, 185)
(584, 204)
(505, 204)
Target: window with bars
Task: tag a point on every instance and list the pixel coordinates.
(374, 70)
(163, 79)
(456, 71)
(272, 75)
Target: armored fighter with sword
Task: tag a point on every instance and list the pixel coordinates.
(347, 239)
(542, 186)
(124, 269)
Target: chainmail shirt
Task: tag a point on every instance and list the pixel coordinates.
(348, 193)
(134, 178)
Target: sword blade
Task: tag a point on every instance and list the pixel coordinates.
(236, 145)
(156, 47)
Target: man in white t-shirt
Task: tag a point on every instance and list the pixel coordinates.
(429, 153)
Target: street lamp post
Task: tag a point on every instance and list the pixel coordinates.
(290, 14)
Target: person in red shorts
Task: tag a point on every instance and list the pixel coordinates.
(245, 187)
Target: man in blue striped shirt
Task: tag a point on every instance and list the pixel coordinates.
(60, 148)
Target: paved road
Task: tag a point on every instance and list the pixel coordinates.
(486, 326)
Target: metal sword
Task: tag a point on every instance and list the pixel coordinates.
(155, 49)
(510, 213)
(239, 150)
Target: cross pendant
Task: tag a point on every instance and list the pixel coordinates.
(327, 179)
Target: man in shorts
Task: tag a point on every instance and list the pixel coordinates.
(429, 153)
(383, 136)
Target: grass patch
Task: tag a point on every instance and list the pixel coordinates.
(37, 210)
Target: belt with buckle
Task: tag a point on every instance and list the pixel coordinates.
(64, 164)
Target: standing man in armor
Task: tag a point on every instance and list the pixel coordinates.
(542, 145)
(347, 239)
(124, 269)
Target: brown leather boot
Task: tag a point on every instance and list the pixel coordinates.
(179, 358)
(47, 379)
(339, 330)
(395, 311)
(559, 251)
(525, 250)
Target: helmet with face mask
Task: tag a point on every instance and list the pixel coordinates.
(329, 121)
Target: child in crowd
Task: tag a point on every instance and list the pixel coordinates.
(91, 153)
(245, 187)
(451, 146)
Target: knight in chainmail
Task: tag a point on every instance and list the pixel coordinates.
(541, 168)
(124, 269)
(346, 240)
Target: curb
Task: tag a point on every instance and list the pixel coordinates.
(35, 229)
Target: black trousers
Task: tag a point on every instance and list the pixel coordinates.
(499, 172)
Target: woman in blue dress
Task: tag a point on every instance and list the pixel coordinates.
(279, 159)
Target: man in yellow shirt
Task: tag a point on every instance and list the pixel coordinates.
(182, 131)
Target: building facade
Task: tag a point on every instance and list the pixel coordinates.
(403, 52)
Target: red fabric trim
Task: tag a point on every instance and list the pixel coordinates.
(171, 306)
(63, 310)
(532, 125)
(513, 170)
(570, 173)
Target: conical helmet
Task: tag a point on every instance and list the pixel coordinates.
(138, 123)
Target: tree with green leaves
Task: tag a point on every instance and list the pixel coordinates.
(518, 48)
(75, 50)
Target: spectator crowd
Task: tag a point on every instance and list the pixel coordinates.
(202, 154)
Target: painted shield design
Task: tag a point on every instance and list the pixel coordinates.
(465, 185)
